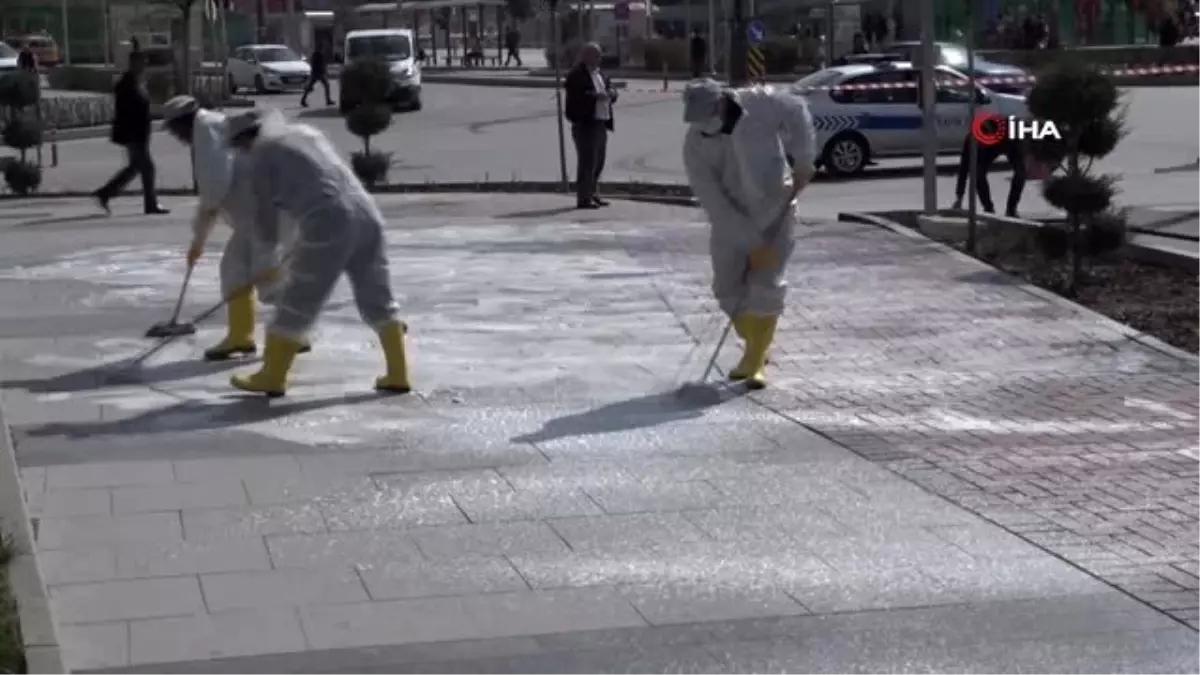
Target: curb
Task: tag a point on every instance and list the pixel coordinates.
(672, 193)
(39, 632)
(516, 82)
(1128, 332)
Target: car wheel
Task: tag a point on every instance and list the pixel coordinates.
(845, 154)
(259, 85)
(416, 105)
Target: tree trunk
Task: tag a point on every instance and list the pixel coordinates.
(367, 145)
(183, 84)
(1075, 219)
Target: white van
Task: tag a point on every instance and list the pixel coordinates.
(399, 49)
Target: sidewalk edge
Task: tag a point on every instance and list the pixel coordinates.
(39, 631)
(1128, 332)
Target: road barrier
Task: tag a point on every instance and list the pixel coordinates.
(756, 64)
(1119, 72)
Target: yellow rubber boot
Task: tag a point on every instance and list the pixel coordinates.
(239, 340)
(743, 325)
(271, 379)
(391, 336)
(762, 334)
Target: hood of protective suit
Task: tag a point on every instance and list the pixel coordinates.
(701, 109)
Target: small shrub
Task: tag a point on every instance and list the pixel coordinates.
(366, 121)
(365, 81)
(22, 132)
(23, 177)
(371, 167)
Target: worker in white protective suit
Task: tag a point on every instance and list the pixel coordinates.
(297, 173)
(736, 153)
(222, 179)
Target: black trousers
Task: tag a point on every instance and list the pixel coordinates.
(591, 145)
(513, 53)
(987, 155)
(138, 162)
(312, 84)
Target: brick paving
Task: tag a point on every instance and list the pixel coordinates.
(1034, 415)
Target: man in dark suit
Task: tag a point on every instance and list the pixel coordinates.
(589, 109)
(131, 129)
(319, 67)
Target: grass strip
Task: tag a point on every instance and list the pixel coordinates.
(12, 658)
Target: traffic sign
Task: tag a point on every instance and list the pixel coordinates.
(756, 32)
(621, 11)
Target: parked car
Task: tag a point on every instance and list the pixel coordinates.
(955, 56)
(866, 111)
(395, 46)
(267, 68)
(43, 46)
(8, 59)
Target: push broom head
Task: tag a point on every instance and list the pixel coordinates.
(170, 329)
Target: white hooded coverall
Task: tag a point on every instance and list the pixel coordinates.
(223, 182)
(299, 175)
(742, 180)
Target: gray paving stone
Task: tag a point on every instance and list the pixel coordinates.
(217, 635)
(270, 490)
(445, 483)
(873, 587)
(70, 503)
(191, 557)
(33, 479)
(566, 476)
(132, 599)
(65, 566)
(636, 532)
(212, 524)
(487, 539)
(209, 494)
(94, 645)
(555, 611)
(86, 531)
(366, 548)
(1014, 579)
(108, 474)
(766, 523)
(391, 510)
(688, 603)
(986, 541)
(235, 468)
(388, 623)
(281, 588)
(527, 506)
(900, 548)
(470, 576)
(657, 497)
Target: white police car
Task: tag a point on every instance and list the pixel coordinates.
(866, 111)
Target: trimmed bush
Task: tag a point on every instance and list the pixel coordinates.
(80, 78)
(365, 81)
(22, 132)
(369, 120)
(19, 89)
(22, 177)
(371, 167)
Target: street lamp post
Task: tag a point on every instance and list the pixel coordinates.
(928, 105)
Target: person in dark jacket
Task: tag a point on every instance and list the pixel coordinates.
(26, 60)
(512, 45)
(319, 66)
(589, 109)
(699, 52)
(131, 130)
(986, 156)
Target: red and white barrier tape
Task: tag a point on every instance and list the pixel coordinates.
(1131, 71)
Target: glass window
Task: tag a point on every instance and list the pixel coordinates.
(276, 55)
(7, 52)
(821, 78)
(952, 87)
(902, 89)
(390, 47)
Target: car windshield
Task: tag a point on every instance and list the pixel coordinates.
(390, 47)
(7, 52)
(276, 55)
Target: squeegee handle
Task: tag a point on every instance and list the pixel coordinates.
(187, 277)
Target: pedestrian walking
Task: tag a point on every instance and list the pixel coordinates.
(736, 153)
(985, 156)
(699, 53)
(512, 44)
(300, 176)
(131, 130)
(319, 72)
(589, 109)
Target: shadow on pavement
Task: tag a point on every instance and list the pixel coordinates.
(327, 112)
(635, 413)
(121, 373)
(197, 416)
(537, 213)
